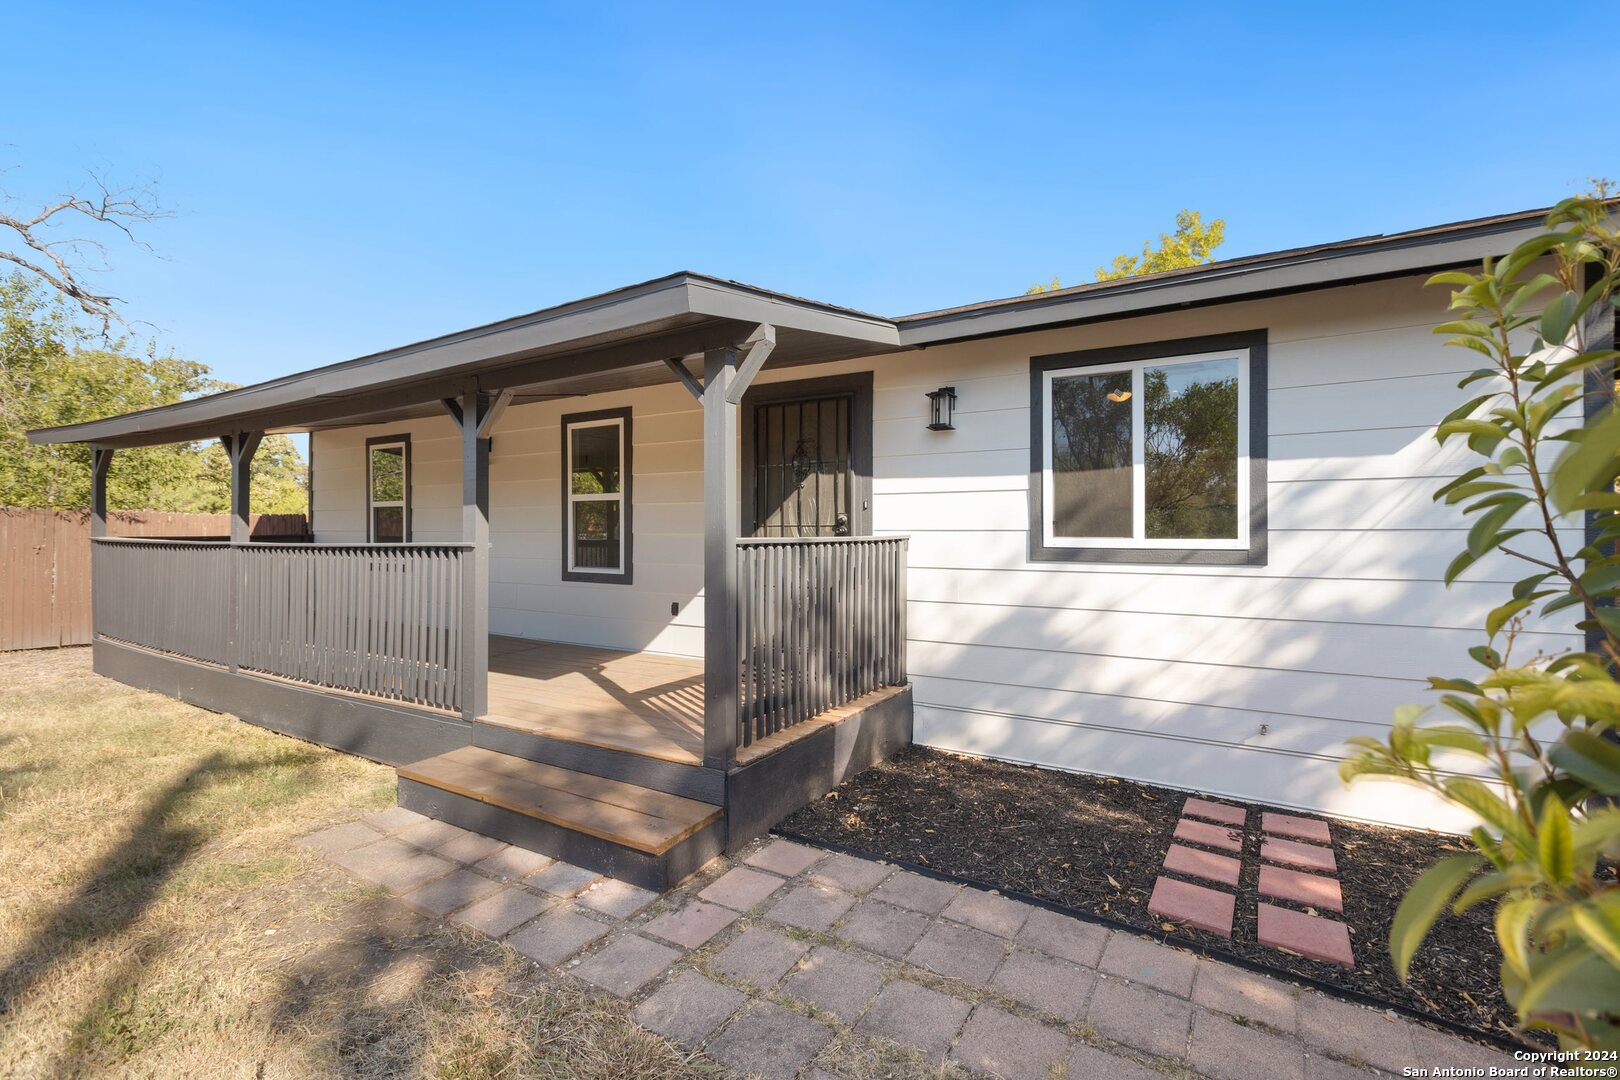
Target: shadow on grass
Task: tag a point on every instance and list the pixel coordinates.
(117, 890)
(10, 774)
(356, 989)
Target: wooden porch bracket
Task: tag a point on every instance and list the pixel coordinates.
(677, 364)
(490, 409)
(760, 345)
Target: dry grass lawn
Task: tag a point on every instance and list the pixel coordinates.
(156, 918)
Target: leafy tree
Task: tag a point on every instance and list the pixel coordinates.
(1192, 244)
(1526, 743)
(280, 482)
(53, 371)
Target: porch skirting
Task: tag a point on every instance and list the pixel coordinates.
(570, 807)
(762, 791)
(391, 734)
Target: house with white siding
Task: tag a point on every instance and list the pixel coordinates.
(628, 579)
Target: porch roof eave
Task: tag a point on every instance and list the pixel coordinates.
(613, 340)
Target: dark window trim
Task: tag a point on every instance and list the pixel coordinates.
(626, 574)
(1252, 340)
(381, 440)
(858, 383)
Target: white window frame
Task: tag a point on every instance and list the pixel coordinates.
(1139, 538)
(571, 500)
(404, 503)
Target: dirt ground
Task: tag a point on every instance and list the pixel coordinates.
(156, 918)
(1096, 844)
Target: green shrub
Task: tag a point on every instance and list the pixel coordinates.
(1526, 742)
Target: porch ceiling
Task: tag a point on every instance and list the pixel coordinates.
(615, 340)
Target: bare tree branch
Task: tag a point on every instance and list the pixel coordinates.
(63, 261)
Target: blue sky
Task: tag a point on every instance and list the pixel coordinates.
(347, 178)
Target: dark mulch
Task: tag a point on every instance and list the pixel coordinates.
(1095, 844)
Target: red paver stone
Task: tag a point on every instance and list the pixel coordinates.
(1214, 811)
(1194, 905)
(1204, 864)
(1312, 889)
(1308, 856)
(1300, 828)
(1308, 935)
(1216, 836)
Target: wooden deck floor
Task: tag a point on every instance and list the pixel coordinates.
(639, 703)
(636, 702)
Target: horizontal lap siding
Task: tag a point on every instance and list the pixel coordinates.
(1240, 680)
(528, 597)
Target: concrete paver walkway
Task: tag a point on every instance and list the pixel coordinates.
(794, 962)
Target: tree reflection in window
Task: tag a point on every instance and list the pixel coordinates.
(1191, 450)
(1091, 455)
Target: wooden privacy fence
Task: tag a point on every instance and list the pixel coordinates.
(820, 621)
(382, 620)
(45, 564)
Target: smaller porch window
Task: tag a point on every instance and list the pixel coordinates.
(388, 489)
(596, 496)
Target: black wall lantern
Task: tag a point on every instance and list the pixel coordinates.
(941, 406)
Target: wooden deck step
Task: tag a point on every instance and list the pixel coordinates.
(648, 837)
(636, 817)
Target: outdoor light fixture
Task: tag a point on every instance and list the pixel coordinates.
(941, 404)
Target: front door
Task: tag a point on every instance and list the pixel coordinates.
(805, 460)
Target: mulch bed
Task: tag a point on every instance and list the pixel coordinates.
(1095, 844)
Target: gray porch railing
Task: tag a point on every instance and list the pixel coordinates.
(168, 595)
(820, 621)
(382, 620)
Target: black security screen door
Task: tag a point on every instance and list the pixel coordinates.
(802, 467)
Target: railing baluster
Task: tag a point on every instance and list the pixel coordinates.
(821, 621)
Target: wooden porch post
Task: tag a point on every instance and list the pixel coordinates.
(720, 515)
(100, 462)
(240, 448)
(475, 414)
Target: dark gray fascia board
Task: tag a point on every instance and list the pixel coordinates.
(726, 300)
(1224, 282)
(649, 304)
(661, 298)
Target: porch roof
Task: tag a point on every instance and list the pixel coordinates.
(620, 339)
(613, 340)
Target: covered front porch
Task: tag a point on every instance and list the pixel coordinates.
(642, 704)
(635, 763)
